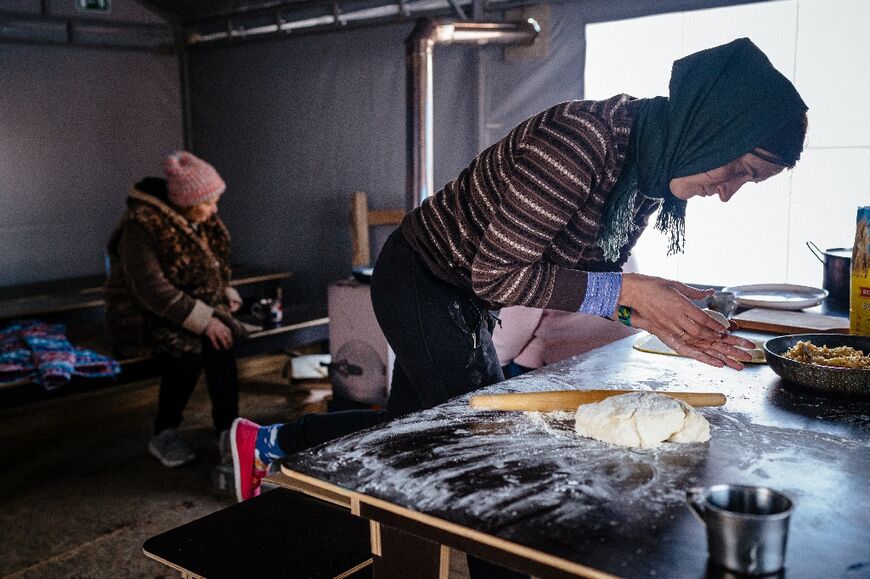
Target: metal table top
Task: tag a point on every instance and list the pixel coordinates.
(530, 480)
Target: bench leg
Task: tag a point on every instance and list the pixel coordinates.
(399, 555)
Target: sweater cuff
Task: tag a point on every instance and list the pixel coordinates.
(198, 318)
(233, 295)
(602, 291)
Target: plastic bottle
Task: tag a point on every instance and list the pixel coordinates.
(859, 300)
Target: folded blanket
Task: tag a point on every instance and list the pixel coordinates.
(32, 349)
(15, 365)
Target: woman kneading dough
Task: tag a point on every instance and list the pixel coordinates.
(546, 218)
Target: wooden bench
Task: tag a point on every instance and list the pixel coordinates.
(79, 304)
(66, 300)
(281, 533)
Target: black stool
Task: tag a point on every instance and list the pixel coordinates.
(281, 533)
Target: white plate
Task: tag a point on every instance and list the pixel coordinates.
(777, 296)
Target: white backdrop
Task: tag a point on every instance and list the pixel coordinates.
(759, 236)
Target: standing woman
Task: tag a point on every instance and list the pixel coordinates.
(168, 294)
(546, 218)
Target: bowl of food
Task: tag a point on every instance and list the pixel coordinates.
(836, 363)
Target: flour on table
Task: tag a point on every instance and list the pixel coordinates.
(641, 419)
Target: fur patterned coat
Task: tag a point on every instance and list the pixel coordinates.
(167, 277)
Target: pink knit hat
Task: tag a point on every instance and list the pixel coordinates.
(191, 180)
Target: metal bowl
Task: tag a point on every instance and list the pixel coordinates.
(362, 274)
(847, 381)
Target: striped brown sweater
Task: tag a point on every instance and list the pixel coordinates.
(519, 225)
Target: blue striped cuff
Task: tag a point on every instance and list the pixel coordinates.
(602, 291)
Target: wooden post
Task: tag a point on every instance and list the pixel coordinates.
(359, 231)
(402, 555)
(361, 219)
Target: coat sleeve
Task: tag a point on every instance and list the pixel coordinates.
(546, 180)
(144, 276)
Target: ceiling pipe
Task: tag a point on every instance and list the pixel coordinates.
(418, 61)
(393, 11)
(283, 19)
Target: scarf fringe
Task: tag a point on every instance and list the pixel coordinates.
(672, 222)
(619, 228)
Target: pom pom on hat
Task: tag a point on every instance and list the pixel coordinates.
(190, 180)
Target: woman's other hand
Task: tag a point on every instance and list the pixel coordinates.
(219, 334)
(664, 308)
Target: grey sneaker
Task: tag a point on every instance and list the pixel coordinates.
(169, 449)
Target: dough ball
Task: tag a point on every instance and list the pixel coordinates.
(641, 420)
(718, 317)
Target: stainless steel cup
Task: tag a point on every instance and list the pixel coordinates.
(723, 302)
(747, 526)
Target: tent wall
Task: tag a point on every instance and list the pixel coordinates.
(77, 127)
(295, 126)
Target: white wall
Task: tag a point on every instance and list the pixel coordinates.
(759, 236)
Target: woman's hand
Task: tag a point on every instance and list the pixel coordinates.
(663, 307)
(219, 334)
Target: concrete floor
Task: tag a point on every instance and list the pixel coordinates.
(79, 493)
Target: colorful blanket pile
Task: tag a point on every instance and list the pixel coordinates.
(32, 349)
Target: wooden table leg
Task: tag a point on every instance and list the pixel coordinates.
(399, 555)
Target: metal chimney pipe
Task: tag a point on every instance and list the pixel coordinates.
(418, 60)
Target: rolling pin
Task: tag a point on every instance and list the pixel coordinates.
(571, 399)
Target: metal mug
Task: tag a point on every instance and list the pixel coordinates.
(747, 526)
(268, 310)
(723, 302)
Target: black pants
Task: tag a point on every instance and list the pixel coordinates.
(178, 376)
(442, 338)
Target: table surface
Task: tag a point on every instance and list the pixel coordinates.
(528, 479)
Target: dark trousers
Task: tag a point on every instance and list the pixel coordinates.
(178, 376)
(442, 338)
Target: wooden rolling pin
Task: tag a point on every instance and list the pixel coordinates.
(571, 399)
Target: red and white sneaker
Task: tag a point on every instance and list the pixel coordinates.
(248, 470)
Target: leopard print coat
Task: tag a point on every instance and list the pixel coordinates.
(161, 267)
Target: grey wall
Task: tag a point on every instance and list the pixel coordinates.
(520, 84)
(295, 126)
(77, 127)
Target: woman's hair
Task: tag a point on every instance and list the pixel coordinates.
(785, 146)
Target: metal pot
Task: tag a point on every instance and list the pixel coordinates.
(837, 263)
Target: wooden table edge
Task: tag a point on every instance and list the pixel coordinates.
(289, 327)
(311, 486)
(185, 573)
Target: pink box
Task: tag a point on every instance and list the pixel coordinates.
(362, 361)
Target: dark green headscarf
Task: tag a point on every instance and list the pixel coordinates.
(724, 102)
